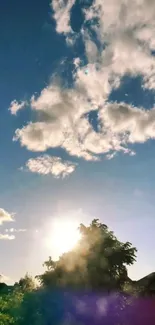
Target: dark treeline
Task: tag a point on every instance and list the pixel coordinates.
(88, 285)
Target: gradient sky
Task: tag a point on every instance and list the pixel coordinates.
(85, 145)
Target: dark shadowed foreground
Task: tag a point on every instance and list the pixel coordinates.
(72, 308)
(86, 286)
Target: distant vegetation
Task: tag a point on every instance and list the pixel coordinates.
(88, 285)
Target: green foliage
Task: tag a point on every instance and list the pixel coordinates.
(41, 307)
(11, 301)
(9, 307)
(26, 284)
(99, 261)
(30, 310)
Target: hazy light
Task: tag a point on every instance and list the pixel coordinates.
(63, 236)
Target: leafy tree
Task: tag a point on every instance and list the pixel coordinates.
(26, 284)
(10, 307)
(50, 264)
(42, 307)
(99, 261)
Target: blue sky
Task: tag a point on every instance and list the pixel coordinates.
(77, 125)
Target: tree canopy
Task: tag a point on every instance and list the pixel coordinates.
(26, 283)
(92, 276)
(99, 261)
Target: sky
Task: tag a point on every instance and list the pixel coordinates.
(77, 125)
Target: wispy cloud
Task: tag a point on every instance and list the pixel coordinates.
(15, 106)
(9, 232)
(51, 165)
(6, 237)
(13, 230)
(111, 155)
(5, 216)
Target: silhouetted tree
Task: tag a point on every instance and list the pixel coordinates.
(99, 261)
(26, 283)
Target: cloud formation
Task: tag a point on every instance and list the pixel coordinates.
(129, 123)
(5, 216)
(50, 165)
(128, 29)
(12, 230)
(61, 15)
(125, 35)
(16, 106)
(7, 237)
(62, 123)
(9, 232)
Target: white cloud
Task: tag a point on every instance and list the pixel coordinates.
(6, 237)
(118, 14)
(20, 230)
(5, 216)
(129, 123)
(111, 155)
(61, 15)
(127, 28)
(12, 230)
(15, 106)
(77, 62)
(50, 165)
(94, 85)
(65, 125)
(62, 125)
(91, 50)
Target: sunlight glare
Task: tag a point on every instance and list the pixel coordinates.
(64, 236)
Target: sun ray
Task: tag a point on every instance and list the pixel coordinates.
(63, 237)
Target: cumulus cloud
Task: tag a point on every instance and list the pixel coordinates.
(91, 50)
(5, 216)
(61, 15)
(16, 106)
(129, 123)
(128, 29)
(6, 237)
(62, 123)
(50, 165)
(126, 34)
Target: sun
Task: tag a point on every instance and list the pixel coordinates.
(64, 236)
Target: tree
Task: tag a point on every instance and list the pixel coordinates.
(99, 261)
(10, 307)
(26, 284)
